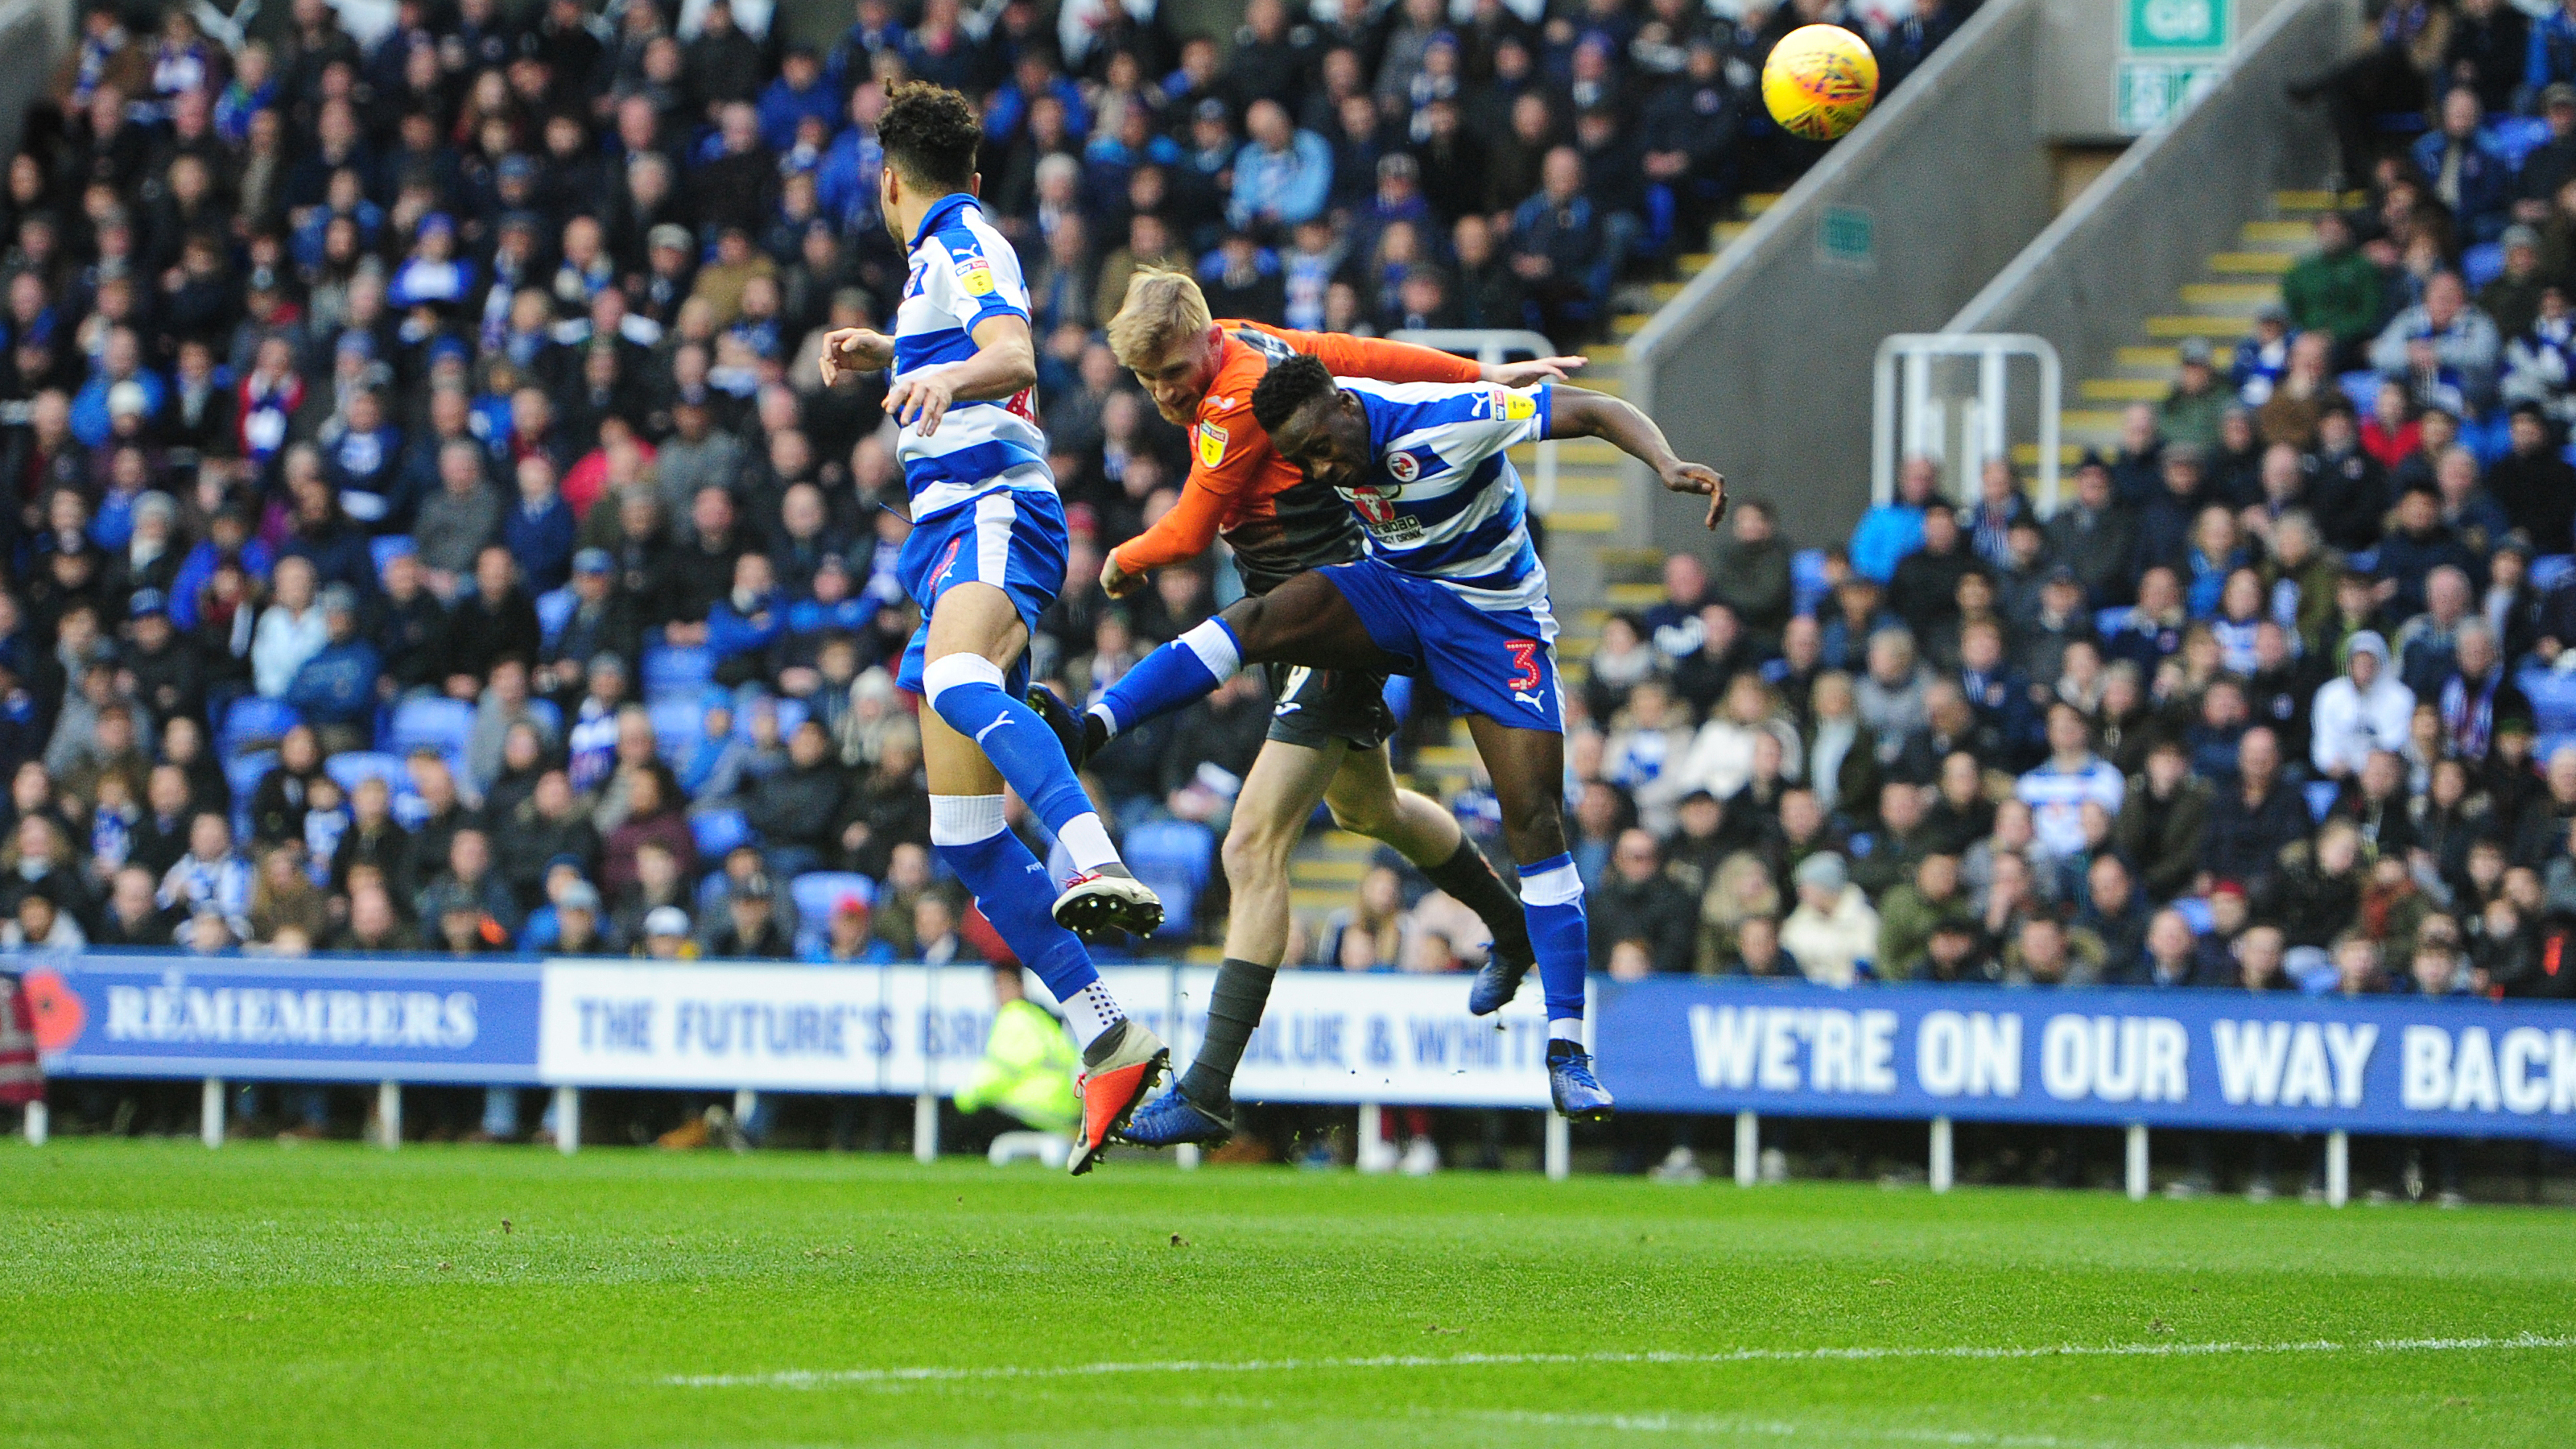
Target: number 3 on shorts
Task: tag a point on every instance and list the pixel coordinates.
(1525, 671)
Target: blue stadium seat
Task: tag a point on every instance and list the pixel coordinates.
(388, 548)
(254, 723)
(1173, 857)
(2482, 264)
(676, 723)
(676, 669)
(2553, 698)
(1807, 579)
(2519, 136)
(791, 713)
(2550, 570)
(2107, 622)
(554, 610)
(718, 831)
(548, 711)
(243, 773)
(817, 893)
(2363, 560)
(444, 725)
(2361, 388)
(2195, 912)
(354, 765)
(2321, 798)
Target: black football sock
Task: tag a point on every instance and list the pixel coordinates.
(1470, 879)
(1234, 1009)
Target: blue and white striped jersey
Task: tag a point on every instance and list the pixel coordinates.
(962, 273)
(1443, 502)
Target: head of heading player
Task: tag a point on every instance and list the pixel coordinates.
(929, 134)
(1164, 335)
(1315, 424)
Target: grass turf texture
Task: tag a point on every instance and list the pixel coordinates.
(158, 1293)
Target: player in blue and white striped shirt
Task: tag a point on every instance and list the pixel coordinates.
(1452, 590)
(985, 558)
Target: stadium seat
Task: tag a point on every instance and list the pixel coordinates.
(676, 723)
(2321, 798)
(2107, 622)
(444, 725)
(676, 669)
(2518, 136)
(355, 765)
(2361, 389)
(817, 893)
(2481, 264)
(2550, 570)
(254, 723)
(2553, 698)
(243, 773)
(718, 831)
(549, 712)
(1173, 857)
(554, 610)
(2363, 560)
(2195, 912)
(388, 548)
(791, 713)
(1807, 583)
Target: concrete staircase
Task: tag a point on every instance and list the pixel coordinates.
(2220, 308)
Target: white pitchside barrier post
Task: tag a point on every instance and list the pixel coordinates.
(1560, 1147)
(2338, 1168)
(1748, 1149)
(1370, 1132)
(1941, 1166)
(567, 1120)
(389, 1115)
(2137, 1162)
(36, 1124)
(210, 1113)
(925, 1127)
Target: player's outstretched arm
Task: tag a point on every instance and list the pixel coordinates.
(1575, 413)
(854, 350)
(1005, 362)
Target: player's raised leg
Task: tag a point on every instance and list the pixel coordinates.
(1121, 1060)
(1528, 767)
(972, 625)
(1365, 798)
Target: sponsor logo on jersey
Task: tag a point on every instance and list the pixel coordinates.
(1377, 511)
(1516, 406)
(975, 274)
(1212, 441)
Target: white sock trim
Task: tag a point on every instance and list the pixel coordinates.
(1566, 1028)
(1556, 887)
(950, 670)
(1107, 716)
(1214, 644)
(964, 819)
(1091, 1011)
(1087, 841)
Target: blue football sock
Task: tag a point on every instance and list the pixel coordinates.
(966, 690)
(1552, 901)
(1011, 888)
(1188, 668)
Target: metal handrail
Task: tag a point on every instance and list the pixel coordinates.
(1993, 351)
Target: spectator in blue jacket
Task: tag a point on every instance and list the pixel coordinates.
(745, 622)
(1890, 531)
(2470, 172)
(800, 91)
(2552, 58)
(539, 528)
(120, 360)
(1282, 175)
(335, 690)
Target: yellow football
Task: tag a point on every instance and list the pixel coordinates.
(1819, 81)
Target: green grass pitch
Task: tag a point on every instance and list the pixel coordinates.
(160, 1294)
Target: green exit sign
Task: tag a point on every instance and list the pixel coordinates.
(1847, 236)
(2164, 27)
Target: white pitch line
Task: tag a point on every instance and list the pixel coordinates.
(1706, 1425)
(825, 1378)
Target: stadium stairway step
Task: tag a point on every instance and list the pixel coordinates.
(2219, 310)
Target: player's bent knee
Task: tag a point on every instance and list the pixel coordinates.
(1257, 850)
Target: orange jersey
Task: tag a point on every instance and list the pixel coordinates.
(1276, 522)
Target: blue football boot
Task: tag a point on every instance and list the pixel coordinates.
(1170, 1120)
(1498, 980)
(1579, 1095)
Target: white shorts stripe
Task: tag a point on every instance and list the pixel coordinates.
(994, 514)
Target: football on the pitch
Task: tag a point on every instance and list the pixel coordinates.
(1819, 81)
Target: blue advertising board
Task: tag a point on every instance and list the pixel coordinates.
(425, 1019)
(2224, 1059)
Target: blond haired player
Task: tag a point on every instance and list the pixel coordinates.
(1328, 732)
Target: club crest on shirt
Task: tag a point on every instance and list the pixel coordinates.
(1404, 467)
(1212, 441)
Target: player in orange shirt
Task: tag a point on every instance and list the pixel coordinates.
(1329, 728)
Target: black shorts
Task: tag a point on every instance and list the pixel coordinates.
(1312, 707)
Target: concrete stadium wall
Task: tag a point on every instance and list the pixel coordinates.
(32, 34)
(1761, 367)
(2149, 224)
